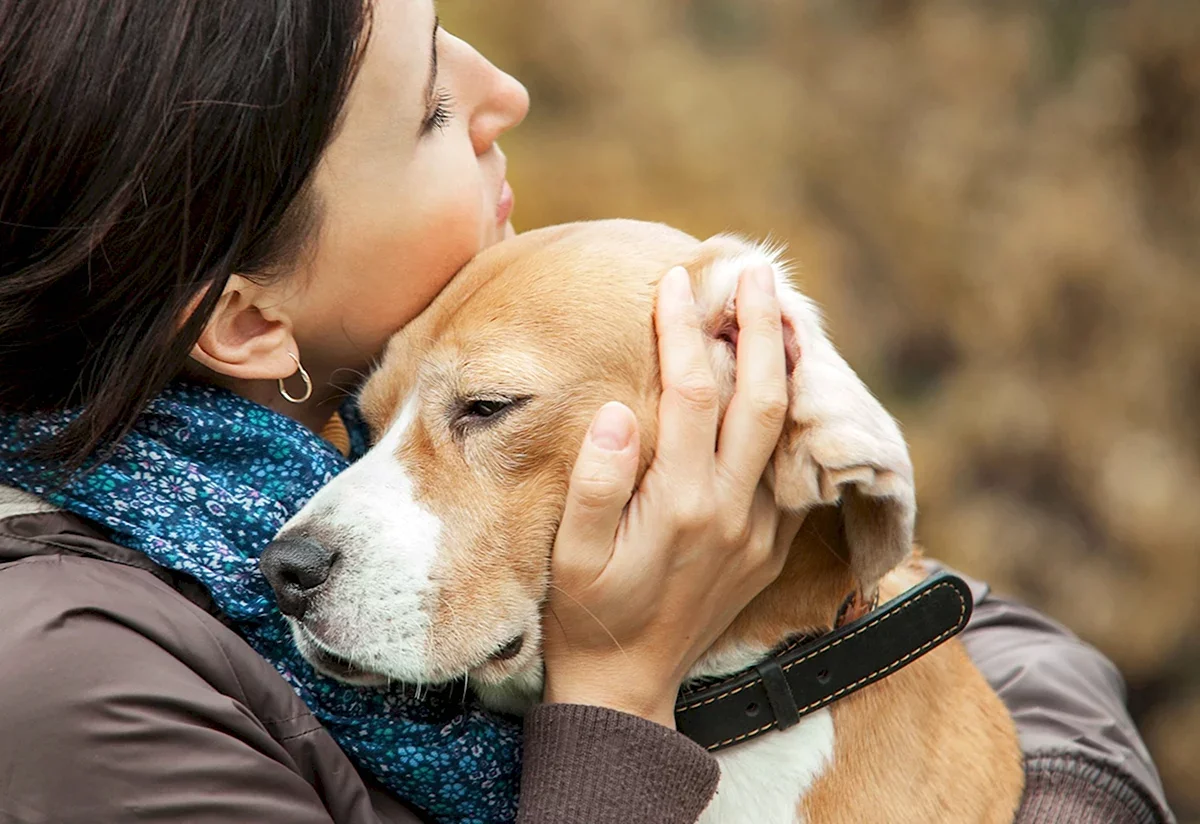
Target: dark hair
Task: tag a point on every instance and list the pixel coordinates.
(147, 151)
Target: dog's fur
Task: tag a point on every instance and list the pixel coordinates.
(445, 528)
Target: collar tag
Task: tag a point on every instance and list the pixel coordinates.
(801, 679)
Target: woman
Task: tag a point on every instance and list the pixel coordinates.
(201, 200)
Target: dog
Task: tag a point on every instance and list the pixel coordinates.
(442, 532)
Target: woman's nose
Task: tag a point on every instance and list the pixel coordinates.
(503, 104)
(295, 568)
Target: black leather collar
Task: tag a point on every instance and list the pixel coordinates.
(810, 674)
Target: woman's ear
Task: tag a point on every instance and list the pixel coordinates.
(248, 336)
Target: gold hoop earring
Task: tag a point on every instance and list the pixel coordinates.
(307, 384)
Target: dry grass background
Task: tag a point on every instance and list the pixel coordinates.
(998, 204)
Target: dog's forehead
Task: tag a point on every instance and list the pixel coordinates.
(565, 276)
(561, 285)
(583, 288)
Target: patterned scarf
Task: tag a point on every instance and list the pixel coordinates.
(202, 485)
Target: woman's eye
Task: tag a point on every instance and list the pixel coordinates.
(442, 114)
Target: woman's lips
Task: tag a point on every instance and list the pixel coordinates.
(504, 205)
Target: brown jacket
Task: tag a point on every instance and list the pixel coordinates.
(125, 697)
(121, 701)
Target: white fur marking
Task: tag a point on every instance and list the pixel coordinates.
(763, 780)
(378, 599)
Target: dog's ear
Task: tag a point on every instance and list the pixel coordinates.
(839, 446)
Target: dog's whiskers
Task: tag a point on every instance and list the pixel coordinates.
(449, 606)
(591, 614)
(825, 544)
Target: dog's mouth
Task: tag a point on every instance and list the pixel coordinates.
(509, 650)
(333, 664)
(506, 660)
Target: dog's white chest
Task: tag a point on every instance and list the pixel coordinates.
(762, 781)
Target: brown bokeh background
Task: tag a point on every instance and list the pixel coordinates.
(998, 205)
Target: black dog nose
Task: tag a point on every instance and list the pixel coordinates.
(294, 567)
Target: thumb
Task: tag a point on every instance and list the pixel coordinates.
(601, 484)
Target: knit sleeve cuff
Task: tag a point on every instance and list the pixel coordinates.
(599, 766)
(1068, 788)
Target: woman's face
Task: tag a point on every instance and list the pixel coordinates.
(411, 187)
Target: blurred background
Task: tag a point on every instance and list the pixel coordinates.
(998, 206)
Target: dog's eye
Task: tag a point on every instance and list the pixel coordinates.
(482, 409)
(477, 413)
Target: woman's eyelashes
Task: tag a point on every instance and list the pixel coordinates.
(441, 114)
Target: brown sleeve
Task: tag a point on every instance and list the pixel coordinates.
(100, 723)
(1085, 762)
(593, 765)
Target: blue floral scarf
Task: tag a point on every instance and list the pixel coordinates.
(201, 485)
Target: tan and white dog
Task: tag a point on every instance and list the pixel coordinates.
(443, 531)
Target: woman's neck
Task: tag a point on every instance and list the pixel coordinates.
(313, 413)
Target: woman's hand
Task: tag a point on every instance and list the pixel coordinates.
(643, 586)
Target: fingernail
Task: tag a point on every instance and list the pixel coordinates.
(612, 429)
(764, 277)
(680, 285)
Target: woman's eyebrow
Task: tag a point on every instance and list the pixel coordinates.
(433, 62)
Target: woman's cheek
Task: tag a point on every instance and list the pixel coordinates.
(388, 247)
(413, 267)
(453, 218)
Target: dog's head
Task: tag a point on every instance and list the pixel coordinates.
(427, 560)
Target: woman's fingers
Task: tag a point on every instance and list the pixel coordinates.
(688, 410)
(601, 485)
(755, 417)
